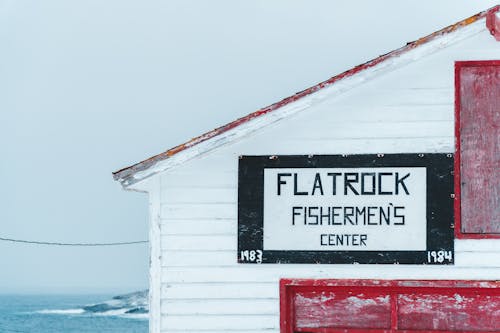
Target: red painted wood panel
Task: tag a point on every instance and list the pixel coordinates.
(384, 306)
(478, 146)
(454, 312)
(337, 309)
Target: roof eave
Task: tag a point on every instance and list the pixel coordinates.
(144, 169)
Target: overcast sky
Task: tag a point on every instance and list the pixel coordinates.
(89, 87)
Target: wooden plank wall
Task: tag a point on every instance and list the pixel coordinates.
(202, 286)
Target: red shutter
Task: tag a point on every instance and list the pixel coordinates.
(477, 160)
(383, 306)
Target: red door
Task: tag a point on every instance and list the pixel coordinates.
(383, 306)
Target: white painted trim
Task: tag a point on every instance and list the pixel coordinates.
(335, 89)
(155, 256)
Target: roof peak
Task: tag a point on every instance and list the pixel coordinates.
(139, 171)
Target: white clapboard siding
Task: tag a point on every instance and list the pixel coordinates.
(216, 290)
(408, 110)
(413, 129)
(403, 97)
(417, 74)
(229, 160)
(227, 258)
(415, 77)
(474, 259)
(219, 322)
(344, 114)
(387, 114)
(199, 195)
(375, 145)
(199, 179)
(217, 211)
(379, 137)
(380, 122)
(198, 242)
(199, 227)
(272, 273)
(486, 55)
(198, 258)
(477, 245)
(242, 306)
(372, 145)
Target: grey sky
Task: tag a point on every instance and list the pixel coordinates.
(88, 87)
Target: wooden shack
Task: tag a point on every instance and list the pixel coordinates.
(366, 203)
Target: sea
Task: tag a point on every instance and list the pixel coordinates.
(72, 314)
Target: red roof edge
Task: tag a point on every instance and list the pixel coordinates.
(127, 172)
(493, 22)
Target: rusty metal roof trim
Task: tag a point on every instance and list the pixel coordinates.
(493, 22)
(130, 175)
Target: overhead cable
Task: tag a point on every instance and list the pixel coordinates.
(71, 244)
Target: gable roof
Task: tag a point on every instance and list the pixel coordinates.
(274, 112)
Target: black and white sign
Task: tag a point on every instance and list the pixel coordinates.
(394, 208)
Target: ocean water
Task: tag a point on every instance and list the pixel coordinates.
(66, 314)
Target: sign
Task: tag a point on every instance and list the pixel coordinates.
(342, 209)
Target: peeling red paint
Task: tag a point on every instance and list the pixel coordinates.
(387, 306)
(460, 311)
(493, 22)
(477, 155)
(365, 310)
(129, 171)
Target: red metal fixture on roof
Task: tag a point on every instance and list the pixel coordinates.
(493, 22)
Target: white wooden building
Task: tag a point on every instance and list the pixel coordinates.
(408, 101)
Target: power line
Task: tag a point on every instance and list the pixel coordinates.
(70, 244)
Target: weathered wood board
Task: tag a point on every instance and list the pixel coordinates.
(478, 146)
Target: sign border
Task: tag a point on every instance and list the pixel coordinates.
(439, 215)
